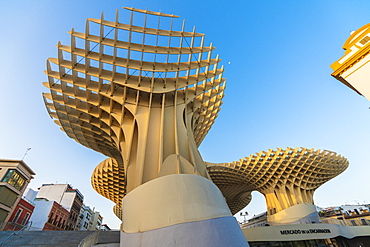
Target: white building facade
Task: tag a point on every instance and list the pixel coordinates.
(71, 199)
(89, 219)
(84, 220)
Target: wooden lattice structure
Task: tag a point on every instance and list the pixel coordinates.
(145, 96)
(108, 180)
(286, 177)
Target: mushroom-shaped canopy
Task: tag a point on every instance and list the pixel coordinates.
(113, 65)
(288, 176)
(108, 179)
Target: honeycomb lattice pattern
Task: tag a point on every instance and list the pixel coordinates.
(108, 180)
(137, 92)
(117, 210)
(141, 93)
(286, 177)
(232, 185)
(89, 87)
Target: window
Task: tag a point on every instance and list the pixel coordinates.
(363, 221)
(16, 217)
(365, 40)
(25, 220)
(354, 222)
(14, 178)
(51, 218)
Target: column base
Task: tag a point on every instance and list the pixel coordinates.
(304, 213)
(178, 210)
(220, 232)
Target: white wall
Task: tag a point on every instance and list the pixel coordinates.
(30, 194)
(52, 192)
(41, 212)
(67, 200)
(358, 76)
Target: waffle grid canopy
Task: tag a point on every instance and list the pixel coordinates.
(286, 177)
(113, 74)
(145, 91)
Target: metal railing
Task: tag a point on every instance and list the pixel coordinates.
(9, 238)
(12, 226)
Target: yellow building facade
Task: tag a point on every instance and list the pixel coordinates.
(353, 68)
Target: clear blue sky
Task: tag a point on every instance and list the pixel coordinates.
(279, 89)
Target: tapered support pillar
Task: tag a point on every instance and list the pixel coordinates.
(178, 210)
